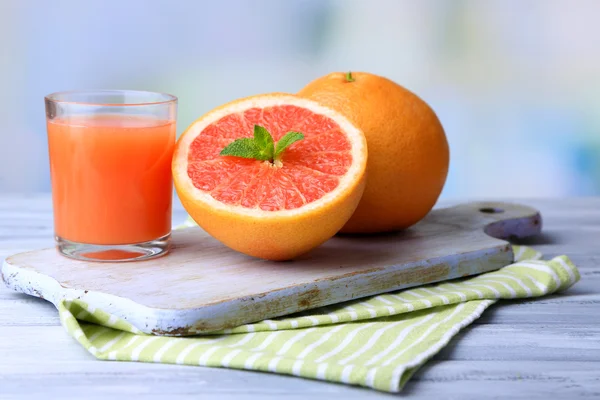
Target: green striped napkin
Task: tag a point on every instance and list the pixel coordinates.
(378, 342)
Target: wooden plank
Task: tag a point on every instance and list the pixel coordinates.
(449, 243)
(43, 363)
(533, 342)
(454, 379)
(505, 379)
(578, 305)
(83, 376)
(503, 342)
(20, 310)
(73, 368)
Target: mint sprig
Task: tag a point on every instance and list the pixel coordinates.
(287, 141)
(262, 146)
(264, 141)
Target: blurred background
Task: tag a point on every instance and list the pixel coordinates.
(516, 83)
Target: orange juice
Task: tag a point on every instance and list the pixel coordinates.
(111, 177)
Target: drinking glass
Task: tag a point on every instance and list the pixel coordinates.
(110, 166)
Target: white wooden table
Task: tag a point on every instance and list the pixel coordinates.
(546, 348)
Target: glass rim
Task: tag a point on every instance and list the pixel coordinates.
(53, 97)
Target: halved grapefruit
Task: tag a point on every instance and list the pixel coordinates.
(279, 206)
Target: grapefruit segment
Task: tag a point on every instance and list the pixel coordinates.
(278, 208)
(334, 140)
(326, 162)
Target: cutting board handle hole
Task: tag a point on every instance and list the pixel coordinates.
(491, 210)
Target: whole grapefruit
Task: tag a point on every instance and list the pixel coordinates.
(408, 151)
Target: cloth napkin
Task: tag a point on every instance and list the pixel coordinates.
(378, 342)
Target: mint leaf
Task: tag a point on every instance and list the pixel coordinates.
(261, 147)
(286, 141)
(245, 147)
(264, 141)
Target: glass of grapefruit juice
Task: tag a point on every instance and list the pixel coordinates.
(110, 167)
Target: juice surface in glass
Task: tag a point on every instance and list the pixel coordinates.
(111, 177)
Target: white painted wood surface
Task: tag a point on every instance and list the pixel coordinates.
(535, 349)
(203, 286)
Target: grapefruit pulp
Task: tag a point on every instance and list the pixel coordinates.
(273, 209)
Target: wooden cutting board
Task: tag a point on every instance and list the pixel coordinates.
(203, 286)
